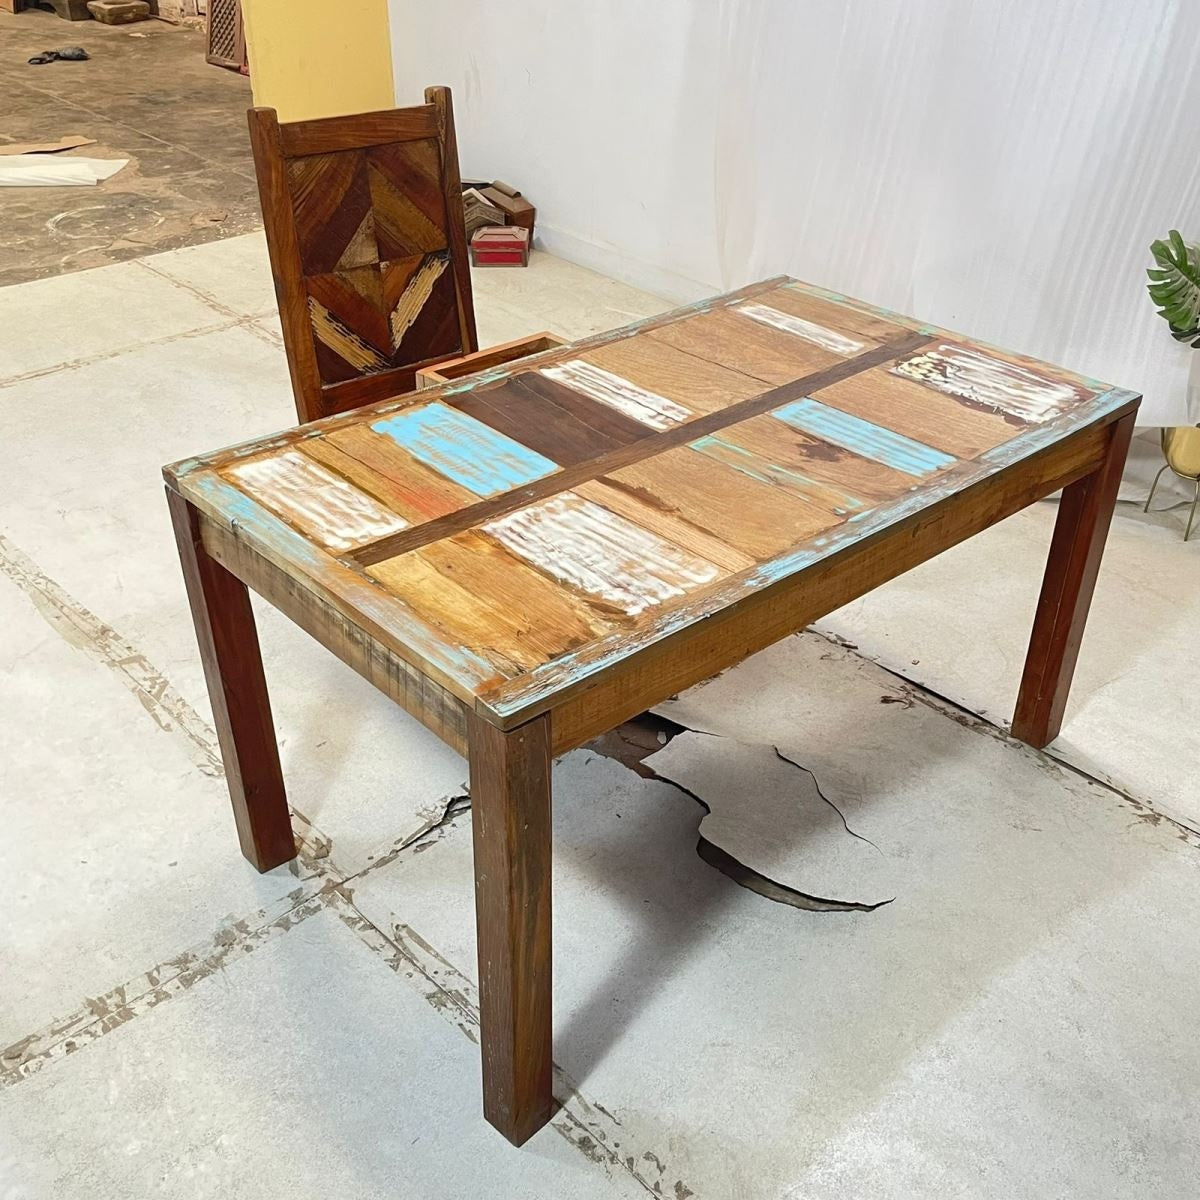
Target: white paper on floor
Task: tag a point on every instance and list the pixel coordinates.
(38, 170)
(769, 814)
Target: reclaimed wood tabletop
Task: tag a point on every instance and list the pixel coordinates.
(526, 557)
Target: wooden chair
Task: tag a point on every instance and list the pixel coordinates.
(364, 226)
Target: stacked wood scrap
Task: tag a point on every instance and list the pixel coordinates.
(496, 203)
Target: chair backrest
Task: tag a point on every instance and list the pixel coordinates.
(364, 227)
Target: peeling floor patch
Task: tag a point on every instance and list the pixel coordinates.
(768, 814)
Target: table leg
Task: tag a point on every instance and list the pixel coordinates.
(510, 815)
(238, 692)
(1084, 514)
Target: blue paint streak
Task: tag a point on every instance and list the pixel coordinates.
(863, 438)
(465, 450)
(764, 471)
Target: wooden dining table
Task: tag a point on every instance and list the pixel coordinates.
(527, 557)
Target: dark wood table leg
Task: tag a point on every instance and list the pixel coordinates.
(238, 691)
(1084, 514)
(510, 815)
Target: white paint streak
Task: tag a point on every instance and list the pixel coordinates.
(617, 392)
(827, 339)
(588, 547)
(989, 381)
(333, 511)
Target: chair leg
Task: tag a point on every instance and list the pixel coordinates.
(1187, 533)
(1154, 488)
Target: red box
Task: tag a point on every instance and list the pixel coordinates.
(500, 246)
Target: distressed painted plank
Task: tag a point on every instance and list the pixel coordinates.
(413, 489)
(646, 511)
(765, 470)
(864, 438)
(505, 609)
(324, 505)
(756, 518)
(938, 420)
(455, 616)
(351, 593)
(849, 481)
(464, 450)
(849, 319)
(617, 392)
(990, 382)
(810, 331)
(695, 383)
(553, 420)
(731, 340)
(602, 554)
(1095, 386)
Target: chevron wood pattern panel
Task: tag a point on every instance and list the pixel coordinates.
(367, 248)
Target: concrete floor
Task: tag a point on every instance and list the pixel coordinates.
(146, 94)
(1016, 1021)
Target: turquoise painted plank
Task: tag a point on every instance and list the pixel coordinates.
(465, 450)
(765, 471)
(863, 438)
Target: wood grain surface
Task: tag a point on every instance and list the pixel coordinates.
(533, 532)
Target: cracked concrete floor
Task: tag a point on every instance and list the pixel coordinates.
(1015, 1022)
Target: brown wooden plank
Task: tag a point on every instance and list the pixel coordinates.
(1084, 515)
(697, 384)
(843, 317)
(547, 616)
(554, 420)
(754, 517)
(606, 464)
(836, 474)
(748, 347)
(740, 620)
(415, 692)
(238, 691)
(510, 824)
(613, 425)
(420, 493)
(919, 412)
(643, 511)
(325, 135)
(478, 595)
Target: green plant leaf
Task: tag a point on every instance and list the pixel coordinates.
(1175, 285)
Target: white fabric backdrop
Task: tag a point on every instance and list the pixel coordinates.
(996, 166)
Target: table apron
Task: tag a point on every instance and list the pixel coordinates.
(432, 705)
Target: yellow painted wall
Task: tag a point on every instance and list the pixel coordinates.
(315, 58)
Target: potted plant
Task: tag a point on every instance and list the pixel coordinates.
(1175, 289)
